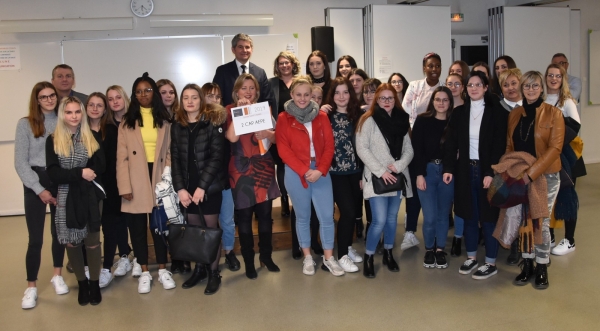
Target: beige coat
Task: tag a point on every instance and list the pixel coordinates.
(132, 167)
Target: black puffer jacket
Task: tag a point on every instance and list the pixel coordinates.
(208, 149)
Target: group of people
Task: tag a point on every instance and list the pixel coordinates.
(349, 141)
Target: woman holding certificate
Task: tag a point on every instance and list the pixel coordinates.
(252, 178)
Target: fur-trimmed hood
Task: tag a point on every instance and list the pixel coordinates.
(215, 114)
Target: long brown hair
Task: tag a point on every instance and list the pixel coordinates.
(162, 82)
(180, 114)
(36, 116)
(106, 118)
(431, 111)
(353, 107)
(369, 113)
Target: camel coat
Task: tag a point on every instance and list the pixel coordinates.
(132, 167)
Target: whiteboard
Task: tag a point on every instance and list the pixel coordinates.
(101, 63)
(347, 34)
(594, 74)
(265, 49)
(37, 62)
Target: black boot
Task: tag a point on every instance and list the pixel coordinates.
(368, 267)
(296, 252)
(214, 281)
(247, 243)
(176, 266)
(198, 275)
(388, 259)
(95, 295)
(231, 261)
(187, 267)
(84, 292)
(285, 206)
(526, 272)
(541, 276)
(359, 228)
(514, 256)
(456, 249)
(265, 248)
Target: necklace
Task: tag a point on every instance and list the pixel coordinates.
(319, 80)
(194, 128)
(475, 117)
(528, 130)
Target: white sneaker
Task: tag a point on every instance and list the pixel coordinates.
(552, 243)
(353, 255)
(87, 272)
(410, 240)
(563, 248)
(333, 266)
(123, 266)
(145, 283)
(164, 277)
(59, 285)
(346, 263)
(136, 269)
(308, 266)
(30, 298)
(105, 278)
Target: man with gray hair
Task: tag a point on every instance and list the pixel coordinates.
(574, 82)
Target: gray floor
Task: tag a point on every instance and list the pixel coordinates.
(413, 299)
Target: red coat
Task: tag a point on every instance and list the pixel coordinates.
(293, 143)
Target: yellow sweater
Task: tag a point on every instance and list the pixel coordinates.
(149, 133)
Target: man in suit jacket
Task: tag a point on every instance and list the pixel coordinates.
(63, 79)
(226, 74)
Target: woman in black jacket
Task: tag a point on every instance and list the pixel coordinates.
(197, 145)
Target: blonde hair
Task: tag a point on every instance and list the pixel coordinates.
(123, 94)
(238, 85)
(529, 78)
(296, 67)
(564, 92)
(63, 145)
(509, 72)
(302, 80)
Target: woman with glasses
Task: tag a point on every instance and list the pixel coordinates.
(168, 94)
(142, 147)
(455, 83)
(399, 83)
(477, 135)
(345, 64)
(30, 164)
(383, 144)
(537, 128)
(559, 95)
(428, 137)
(511, 89)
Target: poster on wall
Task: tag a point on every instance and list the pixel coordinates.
(10, 57)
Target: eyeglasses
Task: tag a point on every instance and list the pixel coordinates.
(557, 76)
(284, 63)
(214, 96)
(562, 63)
(478, 85)
(45, 98)
(370, 92)
(397, 82)
(95, 106)
(441, 100)
(144, 91)
(386, 99)
(457, 85)
(534, 86)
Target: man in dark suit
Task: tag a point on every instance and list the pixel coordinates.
(226, 74)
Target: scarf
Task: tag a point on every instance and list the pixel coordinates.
(302, 115)
(393, 128)
(530, 108)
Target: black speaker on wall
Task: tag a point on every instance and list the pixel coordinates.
(322, 39)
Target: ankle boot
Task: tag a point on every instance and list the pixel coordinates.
(368, 267)
(176, 266)
(84, 292)
(95, 295)
(541, 276)
(285, 206)
(526, 272)
(296, 252)
(456, 249)
(214, 281)
(247, 248)
(514, 256)
(197, 276)
(388, 259)
(231, 261)
(265, 248)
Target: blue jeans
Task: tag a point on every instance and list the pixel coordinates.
(472, 225)
(459, 226)
(226, 220)
(321, 195)
(385, 219)
(435, 201)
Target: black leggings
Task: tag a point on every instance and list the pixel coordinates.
(212, 222)
(347, 195)
(114, 229)
(35, 217)
(265, 226)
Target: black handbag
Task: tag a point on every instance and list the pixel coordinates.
(194, 243)
(380, 187)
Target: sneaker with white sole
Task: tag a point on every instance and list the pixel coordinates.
(30, 298)
(87, 272)
(485, 271)
(333, 266)
(468, 266)
(145, 283)
(166, 279)
(347, 264)
(552, 243)
(105, 278)
(308, 266)
(410, 240)
(136, 269)
(59, 285)
(563, 248)
(123, 266)
(353, 255)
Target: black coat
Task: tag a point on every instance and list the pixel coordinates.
(492, 145)
(112, 203)
(209, 149)
(226, 75)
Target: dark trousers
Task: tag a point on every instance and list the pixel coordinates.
(138, 230)
(280, 177)
(413, 206)
(347, 196)
(114, 229)
(35, 217)
(265, 229)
